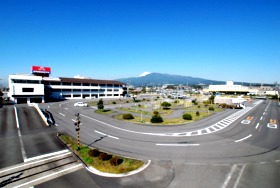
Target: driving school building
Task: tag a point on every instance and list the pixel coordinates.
(40, 88)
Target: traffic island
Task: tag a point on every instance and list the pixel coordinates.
(103, 163)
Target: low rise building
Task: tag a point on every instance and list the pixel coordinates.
(39, 87)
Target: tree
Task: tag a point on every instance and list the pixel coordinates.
(211, 99)
(165, 105)
(187, 116)
(100, 105)
(156, 118)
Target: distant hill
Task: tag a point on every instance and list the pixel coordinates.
(159, 79)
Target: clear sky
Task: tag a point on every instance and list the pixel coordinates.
(222, 40)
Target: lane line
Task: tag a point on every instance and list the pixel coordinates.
(30, 163)
(177, 144)
(62, 114)
(106, 134)
(261, 118)
(257, 125)
(233, 168)
(20, 138)
(47, 176)
(244, 138)
(47, 155)
(239, 177)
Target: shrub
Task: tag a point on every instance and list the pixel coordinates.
(198, 106)
(128, 116)
(156, 119)
(100, 105)
(114, 102)
(197, 113)
(156, 113)
(165, 105)
(116, 161)
(139, 105)
(93, 152)
(104, 156)
(195, 103)
(211, 108)
(187, 116)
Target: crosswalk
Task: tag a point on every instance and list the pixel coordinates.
(219, 125)
(39, 169)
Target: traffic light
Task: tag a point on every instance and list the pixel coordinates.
(77, 124)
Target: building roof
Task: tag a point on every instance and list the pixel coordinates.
(91, 81)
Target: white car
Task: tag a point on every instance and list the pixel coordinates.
(81, 104)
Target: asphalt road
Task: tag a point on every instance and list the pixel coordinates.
(235, 148)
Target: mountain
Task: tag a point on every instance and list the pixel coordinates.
(159, 79)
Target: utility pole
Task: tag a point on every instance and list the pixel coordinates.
(77, 124)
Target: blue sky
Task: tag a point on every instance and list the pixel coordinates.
(223, 40)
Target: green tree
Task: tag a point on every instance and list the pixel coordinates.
(187, 116)
(211, 99)
(100, 105)
(165, 105)
(156, 118)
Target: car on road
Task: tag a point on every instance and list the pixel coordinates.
(81, 104)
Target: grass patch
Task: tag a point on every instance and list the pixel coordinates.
(102, 164)
(104, 111)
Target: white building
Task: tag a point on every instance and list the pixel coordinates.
(228, 88)
(40, 88)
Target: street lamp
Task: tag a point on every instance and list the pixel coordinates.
(77, 124)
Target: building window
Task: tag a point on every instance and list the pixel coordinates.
(76, 84)
(77, 90)
(66, 90)
(116, 90)
(76, 95)
(54, 83)
(27, 89)
(85, 84)
(109, 89)
(66, 83)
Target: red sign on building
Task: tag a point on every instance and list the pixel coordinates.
(42, 70)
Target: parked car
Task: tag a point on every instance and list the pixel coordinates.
(81, 104)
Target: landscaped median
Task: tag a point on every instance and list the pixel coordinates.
(103, 163)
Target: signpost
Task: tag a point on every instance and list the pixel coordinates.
(77, 124)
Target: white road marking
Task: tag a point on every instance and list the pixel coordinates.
(272, 126)
(244, 138)
(47, 155)
(261, 118)
(233, 168)
(61, 114)
(239, 177)
(29, 163)
(257, 125)
(177, 144)
(106, 134)
(210, 129)
(19, 135)
(49, 175)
